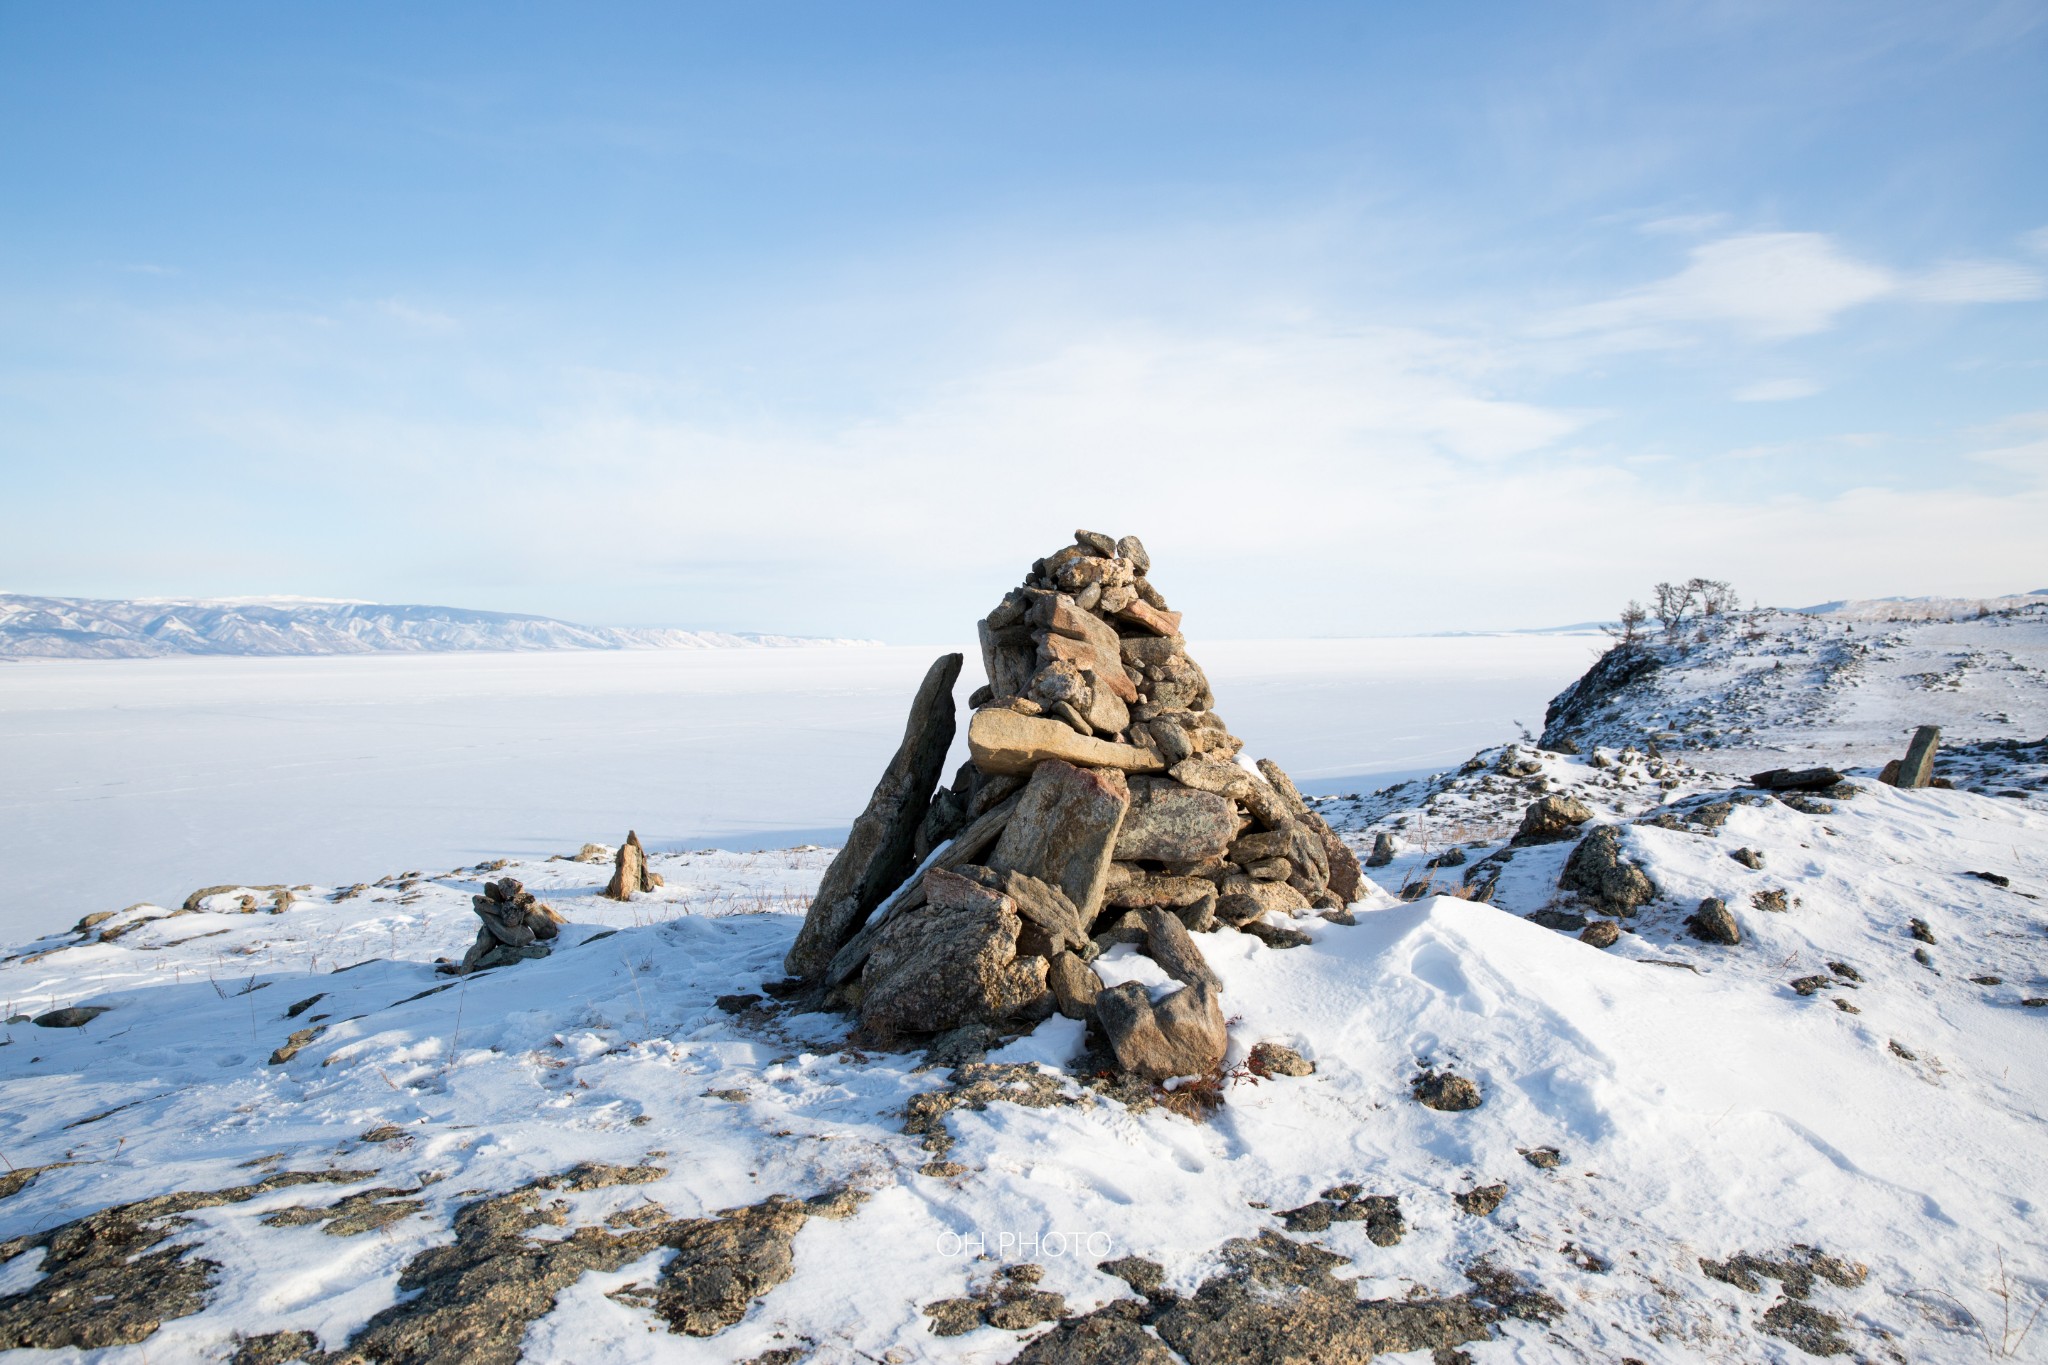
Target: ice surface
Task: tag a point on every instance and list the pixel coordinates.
(143, 779)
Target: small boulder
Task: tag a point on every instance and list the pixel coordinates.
(1064, 830)
(1074, 985)
(1481, 1202)
(1597, 871)
(1383, 850)
(74, 1016)
(1168, 943)
(1274, 1059)
(1551, 819)
(1182, 1035)
(1712, 923)
(1446, 1091)
(1796, 779)
(1749, 858)
(1917, 770)
(1601, 933)
(1170, 823)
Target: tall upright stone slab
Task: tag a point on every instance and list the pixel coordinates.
(877, 855)
(1918, 768)
(1064, 830)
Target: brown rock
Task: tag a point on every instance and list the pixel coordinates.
(1154, 619)
(1149, 889)
(1168, 943)
(1003, 741)
(954, 963)
(1096, 543)
(1597, 871)
(877, 854)
(1551, 819)
(1796, 779)
(1383, 850)
(1064, 830)
(1601, 933)
(1182, 1035)
(1228, 779)
(629, 871)
(1074, 985)
(1712, 923)
(1168, 822)
(1044, 907)
(1276, 1059)
(1243, 899)
(1008, 659)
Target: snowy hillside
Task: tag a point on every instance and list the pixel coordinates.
(85, 628)
(1825, 1138)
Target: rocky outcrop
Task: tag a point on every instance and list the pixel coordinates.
(1598, 873)
(877, 855)
(630, 872)
(1796, 779)
(516, 928)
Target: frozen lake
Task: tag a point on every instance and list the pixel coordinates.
(131, 780)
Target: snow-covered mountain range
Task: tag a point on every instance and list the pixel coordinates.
(88, 628)
(1823, 1139)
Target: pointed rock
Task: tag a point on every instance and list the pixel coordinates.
(877, 855)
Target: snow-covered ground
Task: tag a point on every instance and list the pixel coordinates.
(1747, 1169)
(141, 779)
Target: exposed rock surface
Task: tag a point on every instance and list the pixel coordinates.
(1447, 1091)
(1917, 768)
(1065, 829)
(1796, 779)
(877, 854)
(108, 1279)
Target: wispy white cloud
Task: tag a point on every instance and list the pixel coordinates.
(1766, 284)
(2036, 241)
(423, 319)
(1775, 391)
(1686, 224)
(1976, 282)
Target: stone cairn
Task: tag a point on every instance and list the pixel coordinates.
(630, 872)
(1104, 802)
(516, 927)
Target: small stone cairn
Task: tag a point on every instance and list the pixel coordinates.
(1104, 802)
(630, 872)
(516, 927)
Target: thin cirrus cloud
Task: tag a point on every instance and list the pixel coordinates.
(1776, 391)
(1976, 282)
(1770, 285)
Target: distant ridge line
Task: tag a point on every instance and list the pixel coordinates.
(137, 628)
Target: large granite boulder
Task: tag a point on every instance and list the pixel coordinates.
(877, 854)
(955, 964)
(1064, 830)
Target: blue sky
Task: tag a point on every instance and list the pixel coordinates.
(830, 318)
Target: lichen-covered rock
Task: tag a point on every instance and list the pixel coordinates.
(1712, 923)
(1168, 822)
(956, 964)
(1446, 1091)
(1597, 871)
(1074, 985)
(877, 854)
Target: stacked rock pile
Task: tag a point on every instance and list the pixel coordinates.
(1104, 802)
(516, 927)
(630, 872)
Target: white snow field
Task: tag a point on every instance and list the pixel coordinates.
(1827, 1139)
(142, 779)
